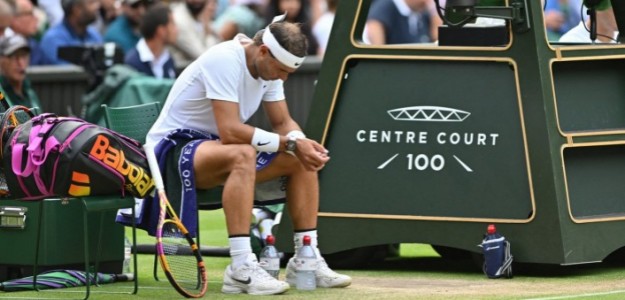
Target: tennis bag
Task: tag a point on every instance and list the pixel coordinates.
(68, 157)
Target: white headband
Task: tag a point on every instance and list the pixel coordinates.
(281, 54)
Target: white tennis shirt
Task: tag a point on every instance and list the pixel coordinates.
(221, 74)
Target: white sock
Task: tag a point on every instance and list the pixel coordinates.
(240, 250)
(298, 240)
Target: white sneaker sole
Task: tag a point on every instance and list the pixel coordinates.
(292, 282)
(229, 289)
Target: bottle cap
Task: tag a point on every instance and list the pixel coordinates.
(491, 229)
(270, 240)
(306, 240)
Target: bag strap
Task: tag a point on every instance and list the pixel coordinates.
(506, 267)
(16, 161)
(51, 144)
(35, 158)
(9, 121)
(38, 132)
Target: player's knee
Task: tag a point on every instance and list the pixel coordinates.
(292, 165)
(244, 156)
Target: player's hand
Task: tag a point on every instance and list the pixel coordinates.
(311, 154)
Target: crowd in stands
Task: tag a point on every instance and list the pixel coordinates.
(196, 25)
(417, 21)
(155, 37)
(158, 37)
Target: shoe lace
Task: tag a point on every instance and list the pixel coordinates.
(323, 267)
(260, 273)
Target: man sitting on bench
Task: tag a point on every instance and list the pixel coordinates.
(208, 106)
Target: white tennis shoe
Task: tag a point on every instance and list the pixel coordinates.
(250, 278)
(326, 277)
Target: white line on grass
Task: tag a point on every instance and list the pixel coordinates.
(579, 296)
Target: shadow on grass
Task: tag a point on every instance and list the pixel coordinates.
(425, 264)
(471, 266)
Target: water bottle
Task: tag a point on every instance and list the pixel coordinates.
(305, 266)
(127, 255)
(497, 259)
(270, 258)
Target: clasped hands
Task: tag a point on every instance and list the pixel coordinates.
(311, 154)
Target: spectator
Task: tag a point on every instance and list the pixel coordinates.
(297, 11)
(151, 56)
(6, 16)
(109, 10)
(26, 24)
(196, 17)
(53, 9)
(14, 59)
(400, 22)
(222, 5)
(74, 30)
(322, 27)
(245, 16)
(606, 28)
(124, 31)
(317, 9)
(561, 16)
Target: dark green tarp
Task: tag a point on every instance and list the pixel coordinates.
(55, 279)
(123, 86)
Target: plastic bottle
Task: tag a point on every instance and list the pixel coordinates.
(305, 266)
(127, 256)
(493, 247)
(270, 258)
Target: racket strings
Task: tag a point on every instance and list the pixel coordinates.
(180, 258)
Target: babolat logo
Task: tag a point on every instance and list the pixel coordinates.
(114, 158)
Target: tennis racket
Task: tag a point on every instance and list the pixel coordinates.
(177, 251)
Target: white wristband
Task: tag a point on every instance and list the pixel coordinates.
(296, 134)
(265, 141)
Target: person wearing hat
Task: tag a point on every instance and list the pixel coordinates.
(202, 140)
(124, 30)
(14, 59)
(74, 30)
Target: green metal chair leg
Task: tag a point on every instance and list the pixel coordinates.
(134, 254)
(35, 265)
(86, 253)
(155, 272)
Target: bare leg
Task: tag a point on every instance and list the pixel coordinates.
(303, 195)
(302, 189)
(234, 166)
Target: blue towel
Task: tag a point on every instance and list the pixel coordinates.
(186, 206)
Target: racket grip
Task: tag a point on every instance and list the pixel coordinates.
(154, 168)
